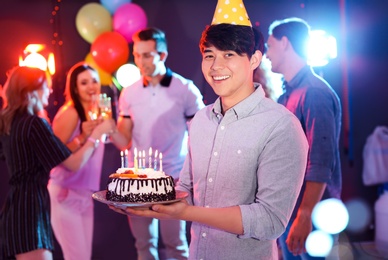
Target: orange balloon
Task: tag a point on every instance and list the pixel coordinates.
(110, 50)
(105, 77)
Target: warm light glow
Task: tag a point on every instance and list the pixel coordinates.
(35, 60)
(51, 63)
(35, 56)
(31, 48)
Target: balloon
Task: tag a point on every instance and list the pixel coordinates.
(92, 20)
(128, 19)
(110, 50)
(105, 77)
(112, 5)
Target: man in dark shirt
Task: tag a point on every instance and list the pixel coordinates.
(318, 108)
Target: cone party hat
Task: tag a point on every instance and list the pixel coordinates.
(231, 12)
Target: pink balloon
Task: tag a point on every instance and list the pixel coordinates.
(128, 19)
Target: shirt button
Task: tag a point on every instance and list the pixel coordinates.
(210, 179)
(222, 127)
(204, 234)
(215, 153)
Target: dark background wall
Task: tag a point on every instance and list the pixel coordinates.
(358, 74)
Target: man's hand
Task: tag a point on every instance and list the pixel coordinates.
(171, 211)
(300, 229)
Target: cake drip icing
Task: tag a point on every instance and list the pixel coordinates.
(141, 190)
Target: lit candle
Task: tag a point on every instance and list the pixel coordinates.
(139, 155)
(150, 158)
(143, 160)
(122, 159)
(155, 160)
(135, 159)
(126, 158)
(160, 162)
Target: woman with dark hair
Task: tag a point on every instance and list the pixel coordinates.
(70, 192)
(31, 150)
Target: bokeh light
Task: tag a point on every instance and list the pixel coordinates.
(360, 215)
(319, 243)
(127, 74)
(330, 216)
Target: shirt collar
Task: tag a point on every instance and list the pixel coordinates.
(245, 107)
(297, 79)
(165, 82)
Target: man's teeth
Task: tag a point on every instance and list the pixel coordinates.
(220, 77)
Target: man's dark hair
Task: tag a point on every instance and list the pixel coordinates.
(153, 34)
(296, 30)
(238, 38)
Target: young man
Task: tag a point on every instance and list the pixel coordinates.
(318, 108)
(154, 112)
(246, 159)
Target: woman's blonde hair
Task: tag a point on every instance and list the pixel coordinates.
(20, 83)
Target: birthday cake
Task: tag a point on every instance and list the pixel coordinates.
(140, 185)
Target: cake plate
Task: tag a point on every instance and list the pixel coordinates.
(100, 197)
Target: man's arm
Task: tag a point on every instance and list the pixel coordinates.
(302, 225)
(122, 138)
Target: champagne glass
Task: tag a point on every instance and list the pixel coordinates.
(94, 110)
(105, 109)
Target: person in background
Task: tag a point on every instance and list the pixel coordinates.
(154, 112)
(271, 82)
(31, 150)
(72, 205)
(318, 109)
(247, 154)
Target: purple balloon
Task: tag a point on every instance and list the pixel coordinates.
(128, 19)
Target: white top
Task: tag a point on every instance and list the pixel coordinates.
(160, 115)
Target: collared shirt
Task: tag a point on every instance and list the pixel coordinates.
(254, 157)
(318, 109)
(159, 114)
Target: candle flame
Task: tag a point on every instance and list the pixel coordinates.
(150, 152)
(135, 152)
(156, 153)
(160, 156)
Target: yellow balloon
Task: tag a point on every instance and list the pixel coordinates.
(105, 77)
(92, 20)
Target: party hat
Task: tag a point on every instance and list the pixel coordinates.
(231, 12)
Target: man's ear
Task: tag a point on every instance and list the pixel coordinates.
(285, 43)
(163, 56)
(256, 59)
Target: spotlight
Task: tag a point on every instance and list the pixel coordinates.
(322, 47)
(37, 56)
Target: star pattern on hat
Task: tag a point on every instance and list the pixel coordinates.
(231, 12)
